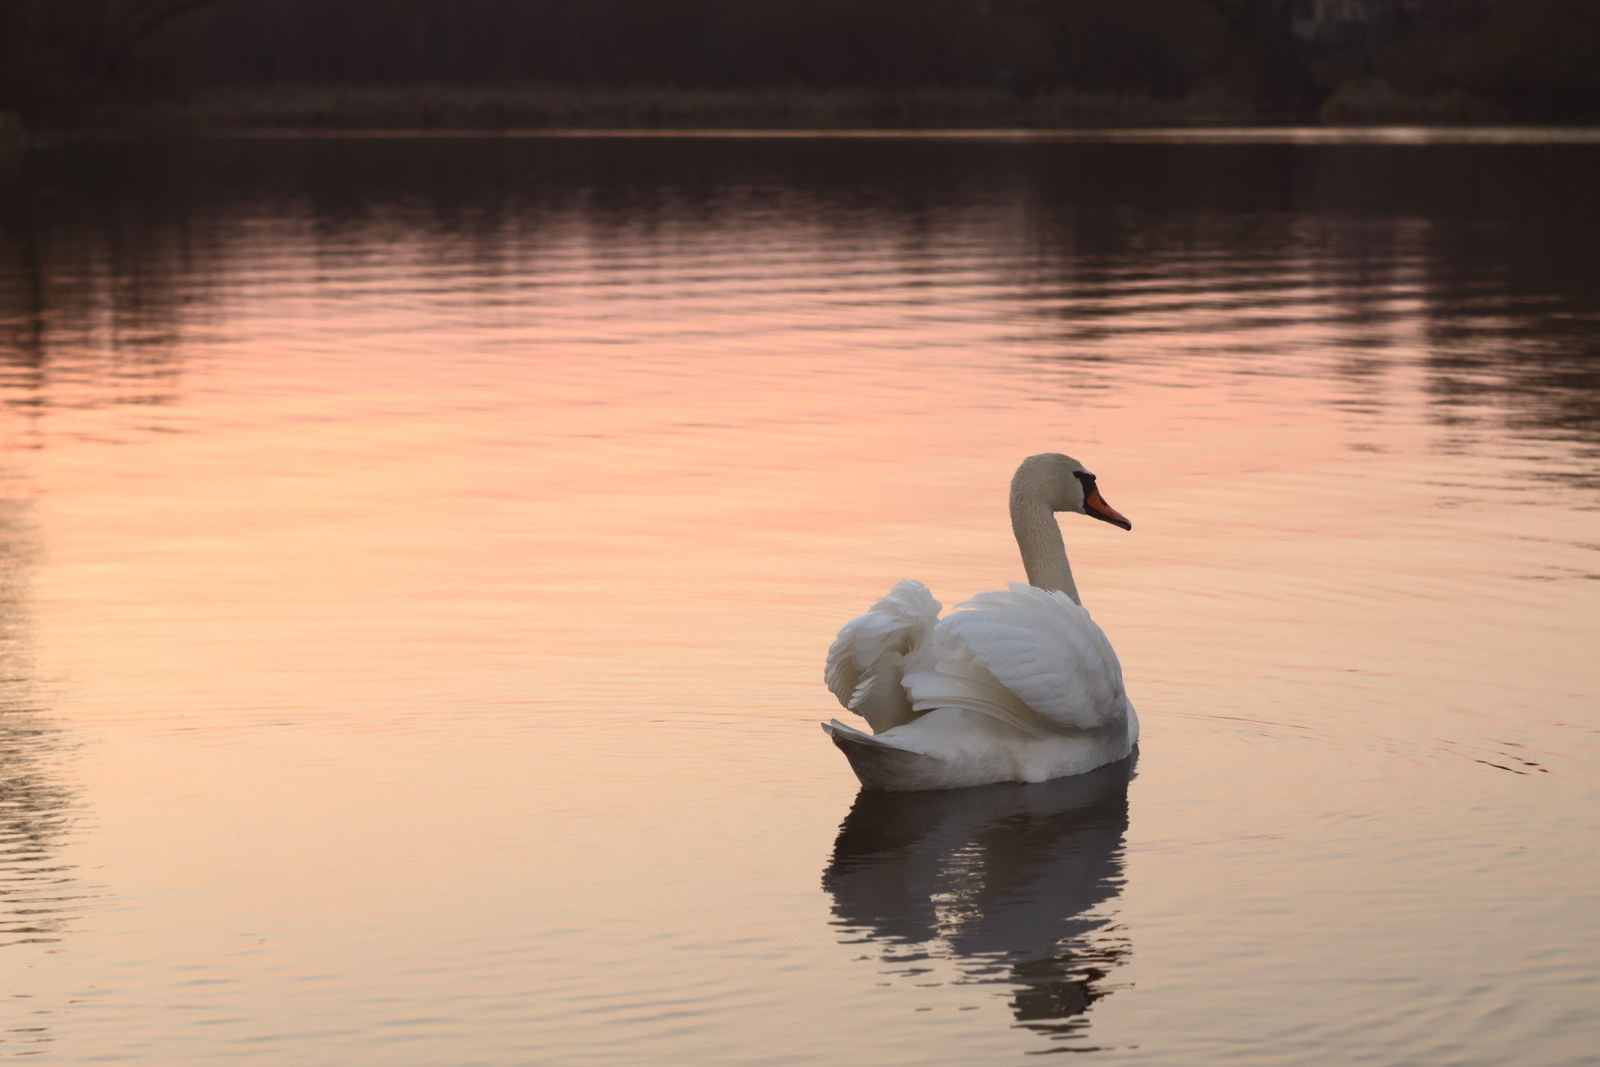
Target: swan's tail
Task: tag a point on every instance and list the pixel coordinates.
(880, 764)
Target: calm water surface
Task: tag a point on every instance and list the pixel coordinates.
(417, 559)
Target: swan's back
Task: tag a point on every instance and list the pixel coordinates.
(1033, 659)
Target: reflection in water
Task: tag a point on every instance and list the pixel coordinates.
(37, 889)
(113, 256)
(1010, 882)
(99, 284)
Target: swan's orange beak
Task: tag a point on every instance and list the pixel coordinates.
(1096, 505)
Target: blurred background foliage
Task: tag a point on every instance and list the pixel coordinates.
(1533, 59)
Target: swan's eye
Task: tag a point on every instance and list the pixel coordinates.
(1087, 479)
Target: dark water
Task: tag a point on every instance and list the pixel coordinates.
(417, 558)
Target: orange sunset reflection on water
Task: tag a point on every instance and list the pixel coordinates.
(419, 558)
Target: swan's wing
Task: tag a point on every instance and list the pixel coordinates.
(874, 651)
(1028, 657)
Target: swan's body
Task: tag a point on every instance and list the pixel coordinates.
(1017, 685)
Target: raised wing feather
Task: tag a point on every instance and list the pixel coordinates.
(1031, 658)
(873, 652)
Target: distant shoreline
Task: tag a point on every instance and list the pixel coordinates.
(1258, 133)
(526, 107)
(555, 107)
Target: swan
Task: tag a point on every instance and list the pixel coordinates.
(1015, 685)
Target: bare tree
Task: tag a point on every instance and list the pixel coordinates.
(56, 54)
(1265, 30)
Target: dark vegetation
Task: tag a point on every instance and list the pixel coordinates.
(538, 60)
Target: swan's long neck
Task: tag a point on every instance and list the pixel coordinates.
(1044, 556)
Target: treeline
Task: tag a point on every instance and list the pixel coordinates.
(1539, 58)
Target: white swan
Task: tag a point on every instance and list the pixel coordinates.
(1017, 685)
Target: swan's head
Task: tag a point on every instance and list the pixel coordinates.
(1061, 483)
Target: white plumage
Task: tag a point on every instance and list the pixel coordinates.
(1015, 685)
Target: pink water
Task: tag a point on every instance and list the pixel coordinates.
(417, 559)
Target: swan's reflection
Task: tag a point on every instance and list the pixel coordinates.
(1012, 883)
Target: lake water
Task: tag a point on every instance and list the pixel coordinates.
(417, 558)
